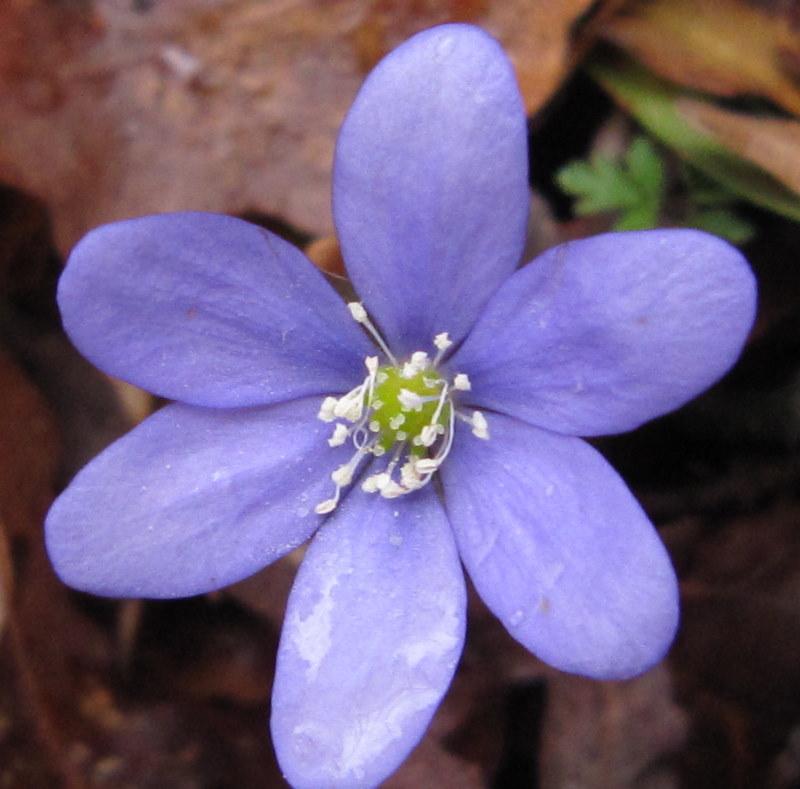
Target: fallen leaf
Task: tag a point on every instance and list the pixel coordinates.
(611, 734)
(771, 143)
(725, 47)
(113, 109)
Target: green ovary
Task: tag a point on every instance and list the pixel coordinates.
(388, 407)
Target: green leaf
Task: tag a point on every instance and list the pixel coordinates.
(724, 223)
(632, 186)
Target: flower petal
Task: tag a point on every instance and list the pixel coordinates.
(560, 551)
(600, 335)
(209, 310)
(373, 632)
(193, 499)
(430, 189)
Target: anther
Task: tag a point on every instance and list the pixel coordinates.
(462, 382)
(340, 435)
(480, 427)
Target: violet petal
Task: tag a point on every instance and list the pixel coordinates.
(560, 551)
(193, 499)
(430, 184)
(373, 632)
(209, 310)
(600, 335)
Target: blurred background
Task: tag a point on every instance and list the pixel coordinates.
(648, 113)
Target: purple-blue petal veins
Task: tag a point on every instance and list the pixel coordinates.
(430, 189)
(209, 310)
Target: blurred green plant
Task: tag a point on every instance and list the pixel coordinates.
(634, 185)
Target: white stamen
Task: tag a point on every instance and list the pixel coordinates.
(462, 382)
(409, 400)
(419, 361)
(327, 409)
(427, 436)
(360, 316)
(343, 475)
(427, 465)
(329, 505)
(392, 490)
(357, 311)
(375, 426)
(442, 341)
(340, 435)
(480, 427)
(396, 421)
(410, 478)
(351, 405)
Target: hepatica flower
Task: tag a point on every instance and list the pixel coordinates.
(433, 422)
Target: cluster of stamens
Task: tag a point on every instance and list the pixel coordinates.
(403, 412)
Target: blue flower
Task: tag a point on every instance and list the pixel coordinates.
(444, 433)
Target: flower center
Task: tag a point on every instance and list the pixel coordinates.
(404, 412)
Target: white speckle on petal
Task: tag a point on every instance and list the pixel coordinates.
(396, 540)
(311, 636)
(516, 617)
(548, 491)
(358, 742)
(442, 638)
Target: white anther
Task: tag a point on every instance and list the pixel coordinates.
(340, 435)
(427, 465)
(351, 405)
(329, 505)
(343, 475)
(376, 404)
(381, 378)
(409, 400)
(462, 382)
(327, 411)
(375, 426)
(480, 427)
(410, 478)
(375, 482)
(428, 435)
(371, 363)
(401, 435)
(396, 421)
(392, 490)
(442, 341)
(419, 361)
(378, 450)
(360, 316)
(357, 311)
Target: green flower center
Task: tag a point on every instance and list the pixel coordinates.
(408, 409)
(403, 415)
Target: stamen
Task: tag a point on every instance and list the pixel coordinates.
(407, 409)
(462, 382)
(442, 342)
(326, 410)
(360, 316)
(409, 400)
(340, 435)
(480, 428)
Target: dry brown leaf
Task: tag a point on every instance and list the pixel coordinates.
(6, 578)
(611, 734)
(225, 105)
(726, 47)
(771, 143)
